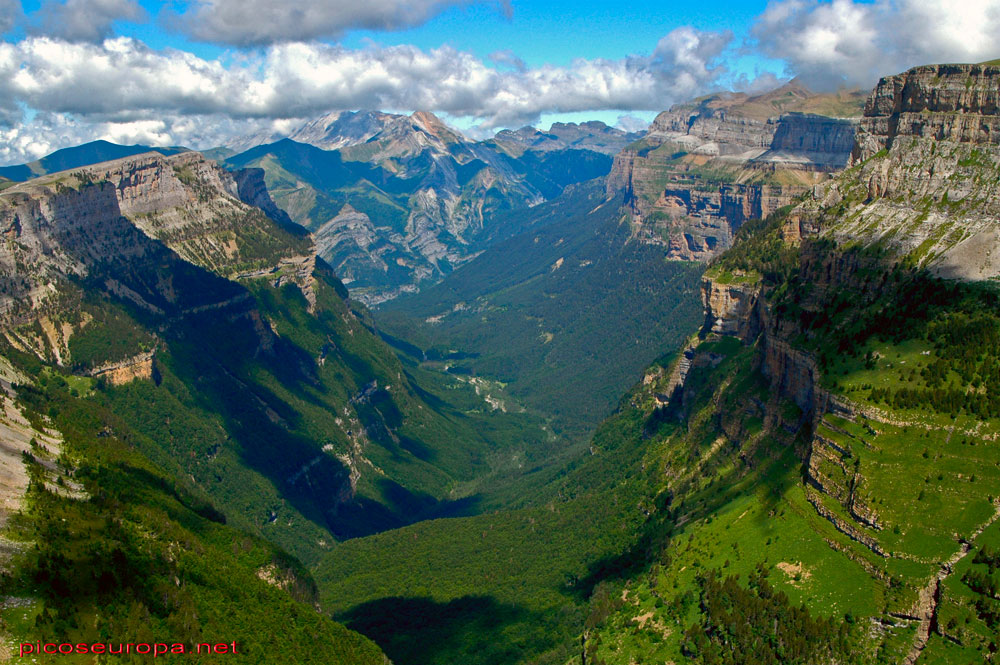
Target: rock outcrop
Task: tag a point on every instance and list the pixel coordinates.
(731, 308)
(706, 168)
(927, 156)
(139, 228)
(124, 371)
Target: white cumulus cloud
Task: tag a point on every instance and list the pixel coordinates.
(854, 43)
(263, 22)
(123, 81)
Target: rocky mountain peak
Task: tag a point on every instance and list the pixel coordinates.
(433, 125)
(345, 128)
(329, 131)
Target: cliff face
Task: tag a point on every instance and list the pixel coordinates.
(731, 309)
(705, 169)
(955, 103)
(809, 142)
(139, 228)
(925, 162)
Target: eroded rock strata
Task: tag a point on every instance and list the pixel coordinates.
(705, 169)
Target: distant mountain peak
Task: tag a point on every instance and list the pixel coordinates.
(590, 135)
(792, 96)
(433, 125)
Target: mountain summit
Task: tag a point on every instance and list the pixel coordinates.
(399, 201)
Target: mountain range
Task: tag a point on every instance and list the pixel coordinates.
(726, 392)
(403, 200)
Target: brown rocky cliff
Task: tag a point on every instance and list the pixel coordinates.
(958, 103)
(201, 211)
(741, 310)
(701, 173)
(731, 309)
(924, 180)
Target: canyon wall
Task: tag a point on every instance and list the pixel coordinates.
(144, 229)
(702, 172)
(927, 155)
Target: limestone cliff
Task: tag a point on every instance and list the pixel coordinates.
(924, 173)
(921, 191)
(137, 227)
(706, 168)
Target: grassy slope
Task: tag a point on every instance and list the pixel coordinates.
(132, 554)
(721, 475)
(928, 471)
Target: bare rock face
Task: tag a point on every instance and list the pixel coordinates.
(730, 308)
(954, 103)
(706, 168)
(729, 131)
(138, 228)
(924, 179)
(810, 143)
(252, 190)
(195, 208)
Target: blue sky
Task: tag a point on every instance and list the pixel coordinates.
(553, 32)
(199, 72)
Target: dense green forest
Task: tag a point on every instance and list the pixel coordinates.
(565, 315)
(116, 550)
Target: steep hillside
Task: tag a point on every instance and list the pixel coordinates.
(924, 173)
(707, 167)
(108, 548)
(826, 449)
(396, 201)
